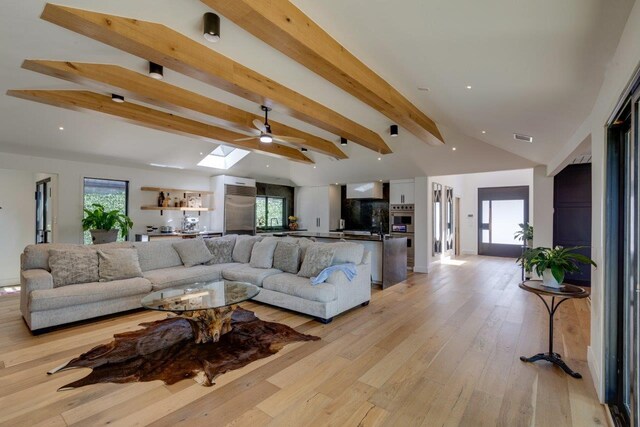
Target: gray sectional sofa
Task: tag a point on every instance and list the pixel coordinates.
(44, 303)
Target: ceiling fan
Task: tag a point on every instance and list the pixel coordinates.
(265, 131)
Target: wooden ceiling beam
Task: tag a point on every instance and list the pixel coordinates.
(134, 85)
(165, 46)
(154, 119)
(282, 25)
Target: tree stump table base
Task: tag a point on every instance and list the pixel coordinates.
(168, 349)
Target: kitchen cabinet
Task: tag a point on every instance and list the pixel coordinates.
(318, 208)
(402, 191)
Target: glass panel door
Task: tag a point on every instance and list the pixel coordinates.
(500, 210)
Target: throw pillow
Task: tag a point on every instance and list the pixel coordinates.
(262, 253)
(243, 247)
(73, 267)
(118, 264)
(286, 257)
(221, 249)
(317, 258)
(193, 252)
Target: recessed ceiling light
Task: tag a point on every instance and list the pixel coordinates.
(337, 183)
(61, 128)
(267, 165)
(484, 131)
(468, 86)
(201, 153)
(379, 158)
(453, 148)
(314, 166)
(380, 180)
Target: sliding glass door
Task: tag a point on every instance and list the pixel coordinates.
(622, 269)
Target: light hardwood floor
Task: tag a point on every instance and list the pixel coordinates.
(439, 349)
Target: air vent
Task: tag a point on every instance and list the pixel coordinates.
(521, 137)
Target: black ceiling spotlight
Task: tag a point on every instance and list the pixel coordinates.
(156, 71)
(393, 130)
(303, 149)
(117, 98)
(343, 141)
(211, 27)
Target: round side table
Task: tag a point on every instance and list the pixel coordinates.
(558, 296)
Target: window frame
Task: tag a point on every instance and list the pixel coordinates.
(82, 195)
(266, 211)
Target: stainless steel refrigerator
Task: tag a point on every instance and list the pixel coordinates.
(239, 210)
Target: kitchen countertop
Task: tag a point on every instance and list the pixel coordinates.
(339, 235)
(180, 234)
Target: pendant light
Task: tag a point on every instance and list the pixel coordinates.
(211, 27)
(343, 141)
(156, 71)
(117, 98)
(393, 130)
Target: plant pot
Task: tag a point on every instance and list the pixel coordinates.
(104, 236)
(549, 281)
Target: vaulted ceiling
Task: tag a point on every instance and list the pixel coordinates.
(533, 67)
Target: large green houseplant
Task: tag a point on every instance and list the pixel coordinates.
(104, 225)
(553, 263)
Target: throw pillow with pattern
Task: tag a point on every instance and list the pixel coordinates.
(73, 267)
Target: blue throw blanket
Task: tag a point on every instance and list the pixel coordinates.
(348, 269)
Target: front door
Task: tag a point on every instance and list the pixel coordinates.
(500, 210)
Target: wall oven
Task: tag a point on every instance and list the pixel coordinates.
(401, 224)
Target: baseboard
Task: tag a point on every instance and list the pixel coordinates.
(10, 282)
(594, 369)
(469, 253)
(420, 269)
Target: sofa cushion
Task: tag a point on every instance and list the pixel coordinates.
(318, 257)
(179, 276)
(118, 264)
(74, 295)
(158, 254)
(242, 249)
(70, 267)
(221, 249)
(262, 253)
(297, 286)
(347, 252)
(37, 256)
(193, 252)
(246, 273)
(286, 257)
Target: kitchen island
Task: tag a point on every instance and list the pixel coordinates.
(388, 253)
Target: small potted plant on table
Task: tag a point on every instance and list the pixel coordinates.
(553, 263)
(293, 223)
(102, 224)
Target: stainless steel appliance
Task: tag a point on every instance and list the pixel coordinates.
(190, 224)
(239, 209)
(401, 219)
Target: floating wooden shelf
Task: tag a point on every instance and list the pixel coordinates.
(174, 190)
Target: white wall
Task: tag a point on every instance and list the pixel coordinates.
(619, 73)
(69, 199)
(17, 221)
(542, 219)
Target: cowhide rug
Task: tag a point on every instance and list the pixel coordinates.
(165, 350)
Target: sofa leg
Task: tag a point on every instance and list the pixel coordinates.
(364, 304)
(324, 321)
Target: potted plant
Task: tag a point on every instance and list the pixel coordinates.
(553, 263)
(525, 234)
(293, 224)
(104, 225)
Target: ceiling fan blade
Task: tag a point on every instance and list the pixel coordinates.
(290, 139)
(259, 125)
(249, 138)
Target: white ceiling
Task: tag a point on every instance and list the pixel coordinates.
(534, 66)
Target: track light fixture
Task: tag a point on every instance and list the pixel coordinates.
(393, 130)
(211, 27)
(117, 98)
(156, 71)
(343, 141)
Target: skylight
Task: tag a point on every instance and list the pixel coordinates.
(223, 157)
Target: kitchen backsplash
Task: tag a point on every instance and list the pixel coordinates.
(366, 214)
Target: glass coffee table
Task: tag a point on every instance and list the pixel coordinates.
(209, 305)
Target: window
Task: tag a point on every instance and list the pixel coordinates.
(270, 211)
(110, 193)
